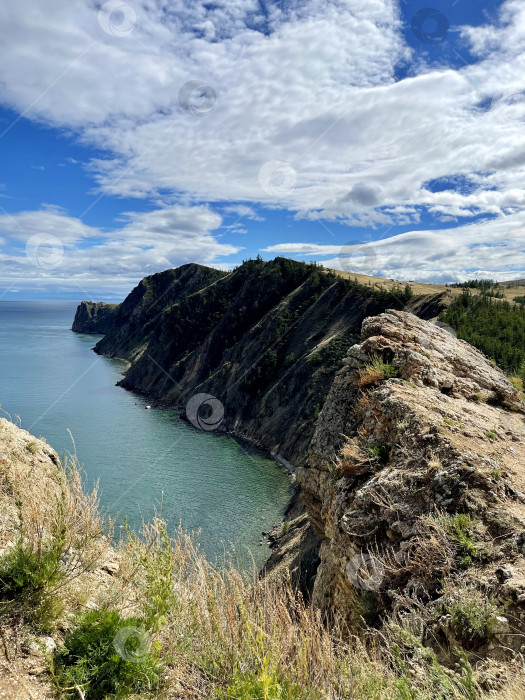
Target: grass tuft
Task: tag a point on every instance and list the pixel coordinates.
(375, 372)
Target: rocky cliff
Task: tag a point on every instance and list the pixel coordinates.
(415, 483)
(137, 316)
(265, 339)
(94, 317)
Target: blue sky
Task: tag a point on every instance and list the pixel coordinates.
(370, 135)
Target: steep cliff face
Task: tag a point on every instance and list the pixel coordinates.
(136, 317)
(94, 317)
(416, 484)
(266, 340)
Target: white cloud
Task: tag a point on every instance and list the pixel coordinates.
(310, 84)
(48, 246)
(243, 212)
(492, 249)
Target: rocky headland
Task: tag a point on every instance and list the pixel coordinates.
(265, 339)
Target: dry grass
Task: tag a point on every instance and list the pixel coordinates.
(430, 556)
(231, 635)
(352, 459)
(369, 376)
(426, 288)
(389, 284)
(217, 633)
(374, 372)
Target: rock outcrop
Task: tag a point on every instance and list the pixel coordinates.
(43, 509)
(415, 482)
(94, 317)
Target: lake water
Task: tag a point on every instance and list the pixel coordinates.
(143, 459)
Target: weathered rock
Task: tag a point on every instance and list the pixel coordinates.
(30, 471)
(41, 646)
(445, 436)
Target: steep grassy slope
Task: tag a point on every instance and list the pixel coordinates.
(266, 340)
(136, 315)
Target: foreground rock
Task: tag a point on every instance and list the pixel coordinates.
(416, 485)
(40, 502)
(30, 481)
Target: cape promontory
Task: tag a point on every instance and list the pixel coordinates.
(266, 339)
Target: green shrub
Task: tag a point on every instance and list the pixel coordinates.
(386, 368)
(459, 527)
(25, 573)
(155, 561)
(379, 453)
(262, 686)
(105, 654)
(289, 359)
(472, 618)
(31, 571)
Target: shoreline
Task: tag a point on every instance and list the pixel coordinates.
(242, 440)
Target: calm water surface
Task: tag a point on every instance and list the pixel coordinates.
(52, 381)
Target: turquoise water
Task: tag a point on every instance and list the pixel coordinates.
(143, 459)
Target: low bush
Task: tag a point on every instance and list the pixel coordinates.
(472, 617)
(105, 654)
(460, 528)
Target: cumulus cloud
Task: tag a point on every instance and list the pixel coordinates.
(48, 246)
(313, 85)
(492, 249)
